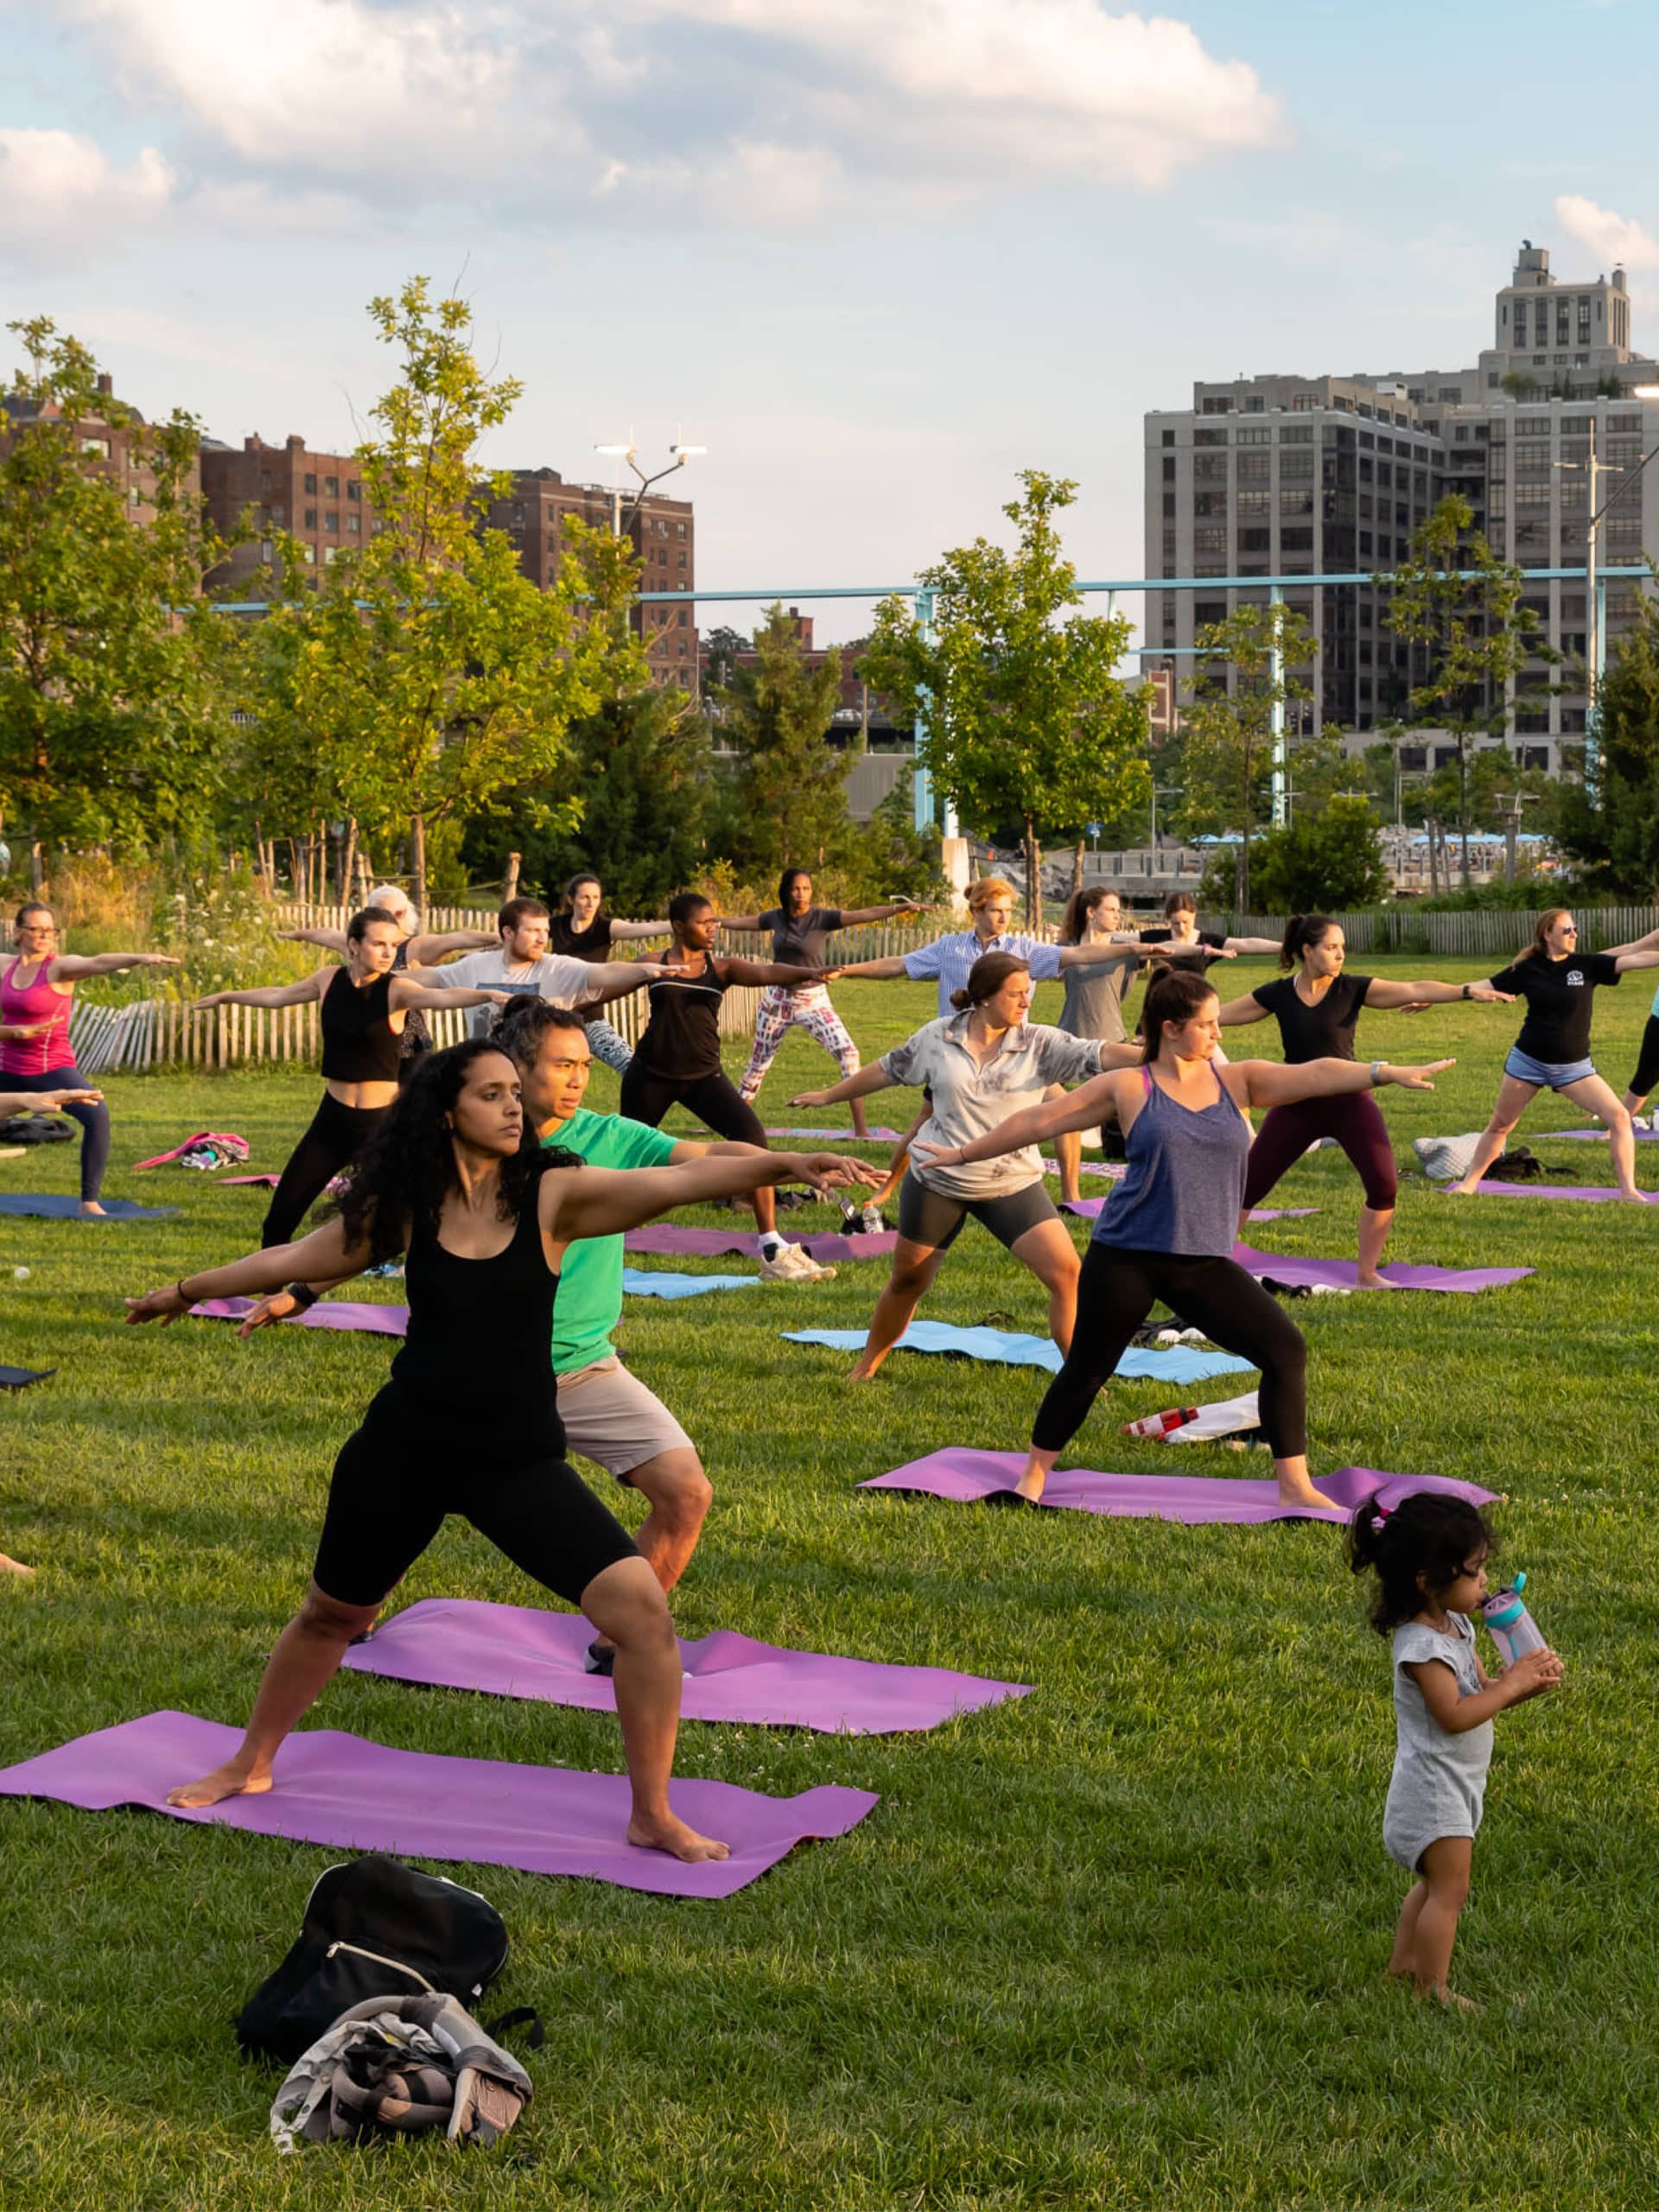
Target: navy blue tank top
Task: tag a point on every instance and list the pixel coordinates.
(478, 1355)
(1185, 1183)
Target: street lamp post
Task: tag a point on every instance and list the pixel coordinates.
(1161, 790)
(1595, 627)
(682, 452)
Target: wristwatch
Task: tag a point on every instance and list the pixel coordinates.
(1466, 990)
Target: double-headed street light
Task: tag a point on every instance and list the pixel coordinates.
(682, 452)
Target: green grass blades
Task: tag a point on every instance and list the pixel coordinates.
(1120, 1944)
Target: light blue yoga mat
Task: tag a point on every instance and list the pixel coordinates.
(1179, 1363)
(639, 1282)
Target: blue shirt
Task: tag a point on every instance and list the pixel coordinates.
(951, 957)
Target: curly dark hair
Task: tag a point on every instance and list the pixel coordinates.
(1427, 1534)
(407, 1167)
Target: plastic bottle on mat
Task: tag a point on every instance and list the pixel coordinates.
(1511, 1626)
(1161, 1424)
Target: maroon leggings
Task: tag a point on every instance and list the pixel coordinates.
(1355, 1124)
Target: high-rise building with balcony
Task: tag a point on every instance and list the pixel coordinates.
(1285, 477)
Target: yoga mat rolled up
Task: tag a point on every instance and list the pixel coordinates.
(521, 1651)
(353, 1795)
(977, 1477)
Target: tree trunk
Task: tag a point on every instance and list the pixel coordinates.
(296, 874)
(1244, 872)
(1033, 880)
(348, 860)
(418, 862)
(1077, 869)
(36, 868)
(510, 886)
(1463, 809)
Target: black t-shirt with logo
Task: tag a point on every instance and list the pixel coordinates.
(1324, 1031)
(1559, 996)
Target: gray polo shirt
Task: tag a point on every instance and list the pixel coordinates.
(970, 1100)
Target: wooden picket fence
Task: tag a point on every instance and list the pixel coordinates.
(1482, 933)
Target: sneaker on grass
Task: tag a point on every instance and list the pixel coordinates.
(791, 1264)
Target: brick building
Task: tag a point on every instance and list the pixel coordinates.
(316, 496)
(119, 448)
(663, 534)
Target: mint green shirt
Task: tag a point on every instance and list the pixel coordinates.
(590, 1303)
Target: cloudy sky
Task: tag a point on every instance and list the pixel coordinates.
(876, 254)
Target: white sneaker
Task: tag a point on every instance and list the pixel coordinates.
(870, 1221)
(791, 1264)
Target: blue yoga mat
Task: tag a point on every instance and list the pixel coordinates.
(638, 1282)
(1179, 1363)
(58, 1205)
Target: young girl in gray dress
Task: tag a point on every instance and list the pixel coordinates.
(1429, 1554)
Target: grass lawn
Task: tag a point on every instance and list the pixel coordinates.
(1118, 1943)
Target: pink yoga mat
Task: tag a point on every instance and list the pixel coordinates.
(375, 1320)
(1091, 1210)
(665, 1236)
(1588, 1194)
(972, 1477)
(521, 1651)
(840, 1136)
(268, 1182)
(353, 1795)
(1344, 1275)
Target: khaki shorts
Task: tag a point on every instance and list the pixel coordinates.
(612, 1418)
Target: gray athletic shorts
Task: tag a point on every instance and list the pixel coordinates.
(612, 1418)
(930, 1218)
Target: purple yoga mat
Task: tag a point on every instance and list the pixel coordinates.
(969, 1477)
(663, 1236)
(840, 1136)
(1344, 1275)
(336, 1313)
(520, 1651)
(1091, 1210)
(353, 1795)
(1589, 1194)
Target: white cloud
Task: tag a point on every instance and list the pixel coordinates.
(59, 190)
(1610, 237)
(760, 111)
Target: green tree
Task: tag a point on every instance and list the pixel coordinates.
(787, 802)
(1471, 634)
(1610, 827)
(1019, 711)
(112, 710)
(1324, 859)
(435, 675)
(1228, 728)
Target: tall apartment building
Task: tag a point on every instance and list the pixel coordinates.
(662, 533)
(1284, 477)
(118, 450)
(315, 497)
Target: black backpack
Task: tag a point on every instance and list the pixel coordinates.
(373, 1927)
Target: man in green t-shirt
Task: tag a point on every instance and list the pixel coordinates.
(609, 1415)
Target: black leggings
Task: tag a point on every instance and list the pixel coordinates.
(336, 1136)
(395, 1481)
(713, 1098)
(1117, 1290)
(94, 1121)
(1647, 1064)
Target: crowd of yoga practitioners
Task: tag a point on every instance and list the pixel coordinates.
(482, 1168)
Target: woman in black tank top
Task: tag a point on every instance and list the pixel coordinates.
(469, 1420)
(365, 1008)
(676, 1061)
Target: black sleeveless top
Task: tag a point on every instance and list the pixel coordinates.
(478, 1355)
(591, 943)
(357, 1043)
(682, 1037)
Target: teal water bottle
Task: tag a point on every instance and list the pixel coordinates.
(1512, 1628)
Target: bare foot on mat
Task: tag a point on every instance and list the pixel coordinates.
(670, 1833)
(228, 1781)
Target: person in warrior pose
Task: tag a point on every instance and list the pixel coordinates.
(36, 991)
(1180, 929)
(978, 1068)
(454, 1177)
(676, 1061)
(1316, 1010)
(1094, 1004)
(42, 1102)
(364, 1008)
(1557, 982)
(800, 933)
(418, 949)
(1168, 1232)
(520, 961)
(581, 930)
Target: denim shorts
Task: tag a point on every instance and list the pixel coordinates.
(1548, 1075)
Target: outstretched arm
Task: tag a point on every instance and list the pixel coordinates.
(330, 940)
(889, 968)
(1249, 945)
(45, 1101)
(872, 1079)
(1393, 996)
(69, 967)
(426, 950)
(1636, 944)
(850, 914)
(405, 991)
(1266, 1083)
(309, 987)
(614, 979)
(602, 1201)
(761, 972)
(1237, 1011)
(323, 1257)
(644, 928)
(1628, 960)
(740, 921)
(1085, 1108)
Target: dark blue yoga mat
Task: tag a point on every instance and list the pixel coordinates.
(58, 1205)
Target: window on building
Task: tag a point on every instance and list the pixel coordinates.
(311, 483)
(1220, 403)
(682, 556)
(1169, 468)
(354, 489)
(1253, 437)
(1169, 437)
(1296, 434)
(1209, 437)
(1296, 540)
(1169, 503)
(353, 525)
(310, 518)
(1254, 468)
(1450, 394)
(330, 487)
(1365, 544)
(308, 555)
(684, 614)
(331, 518)
(679, 530)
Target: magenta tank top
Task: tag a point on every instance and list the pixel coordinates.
(39, 1001)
